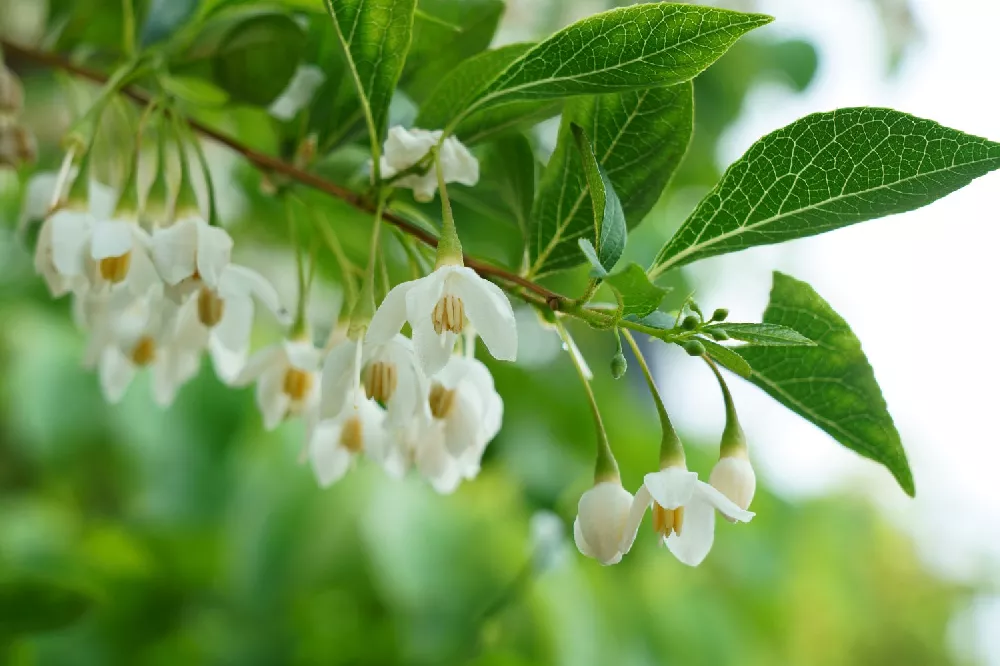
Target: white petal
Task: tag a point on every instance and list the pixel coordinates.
(330, 461)
(463, 426)
(433, 350)
(271, 398)
(458, 164)
(490, 312)
(170, 373)
(302, 355)
(671, 487)
(340, 376)
(116, 373)
(404, 148)
(734, 477)
(581, 540)
(389, 317)
(174, 250)
(215, 246)
(259, 363)
(706, 493)
(101, 199)
(70, 236)
(697, 533)
(233, 330)
(603, 512)
(227, 362)
(142, 275)
(236, 279)
(111, 238)
(435, 464)
(636, 513)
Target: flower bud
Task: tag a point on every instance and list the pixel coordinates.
(11, 93)
(618, 365)
(694, 348)
(690, 323)
(718, 334)
(720, 314)
(601, 520)
(733, 476)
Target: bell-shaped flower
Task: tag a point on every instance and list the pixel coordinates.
(191, 248)
(119, 248)
(60, 256)
(439, 307)
(287, 380)
(404, 148)
(335, 442)
(601, 528)
(733, 476)
(144, 337)
(683, 512)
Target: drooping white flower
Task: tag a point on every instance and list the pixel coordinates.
(683, 512)
(120, 249)
(287, 380)
(191, 248)
(733, 476)
(59, 254)
(438, 307)
(335, 442)
(601, 529)
(404, 148)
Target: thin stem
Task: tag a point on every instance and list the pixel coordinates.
(606, 468)
(671, 449)
(206, 174)
(347, 268)
(299, 326)
(128, 28)
(734, 441)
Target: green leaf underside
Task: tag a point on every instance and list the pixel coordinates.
(375, 37)
(639, 138)
(727, 357)
(456, 90)
(832, 384)
(826, 171)
(609, 219)
(640, 297)
(762, 335)
(30, 605)
(597, 270)
(629, 48)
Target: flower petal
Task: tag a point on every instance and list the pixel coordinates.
(271, 398)
(228, 362)
(636, 513)
(433, 350)
(671, 487)
(490, 312)
(330, 461)
(259, 363)
(691, 546)
(340, 375)
(235, 279)
(142, 275)
(302, 354)
(458, 164)
(233, 330)
(215, 246)
(111, 238)
(581, 540)
(115, 373)
(390, 315)
(603, 512)
(463, 427)
(70, 234)
(712, 496)
(174, 250)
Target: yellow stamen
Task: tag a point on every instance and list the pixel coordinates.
(449, 314)
(442, 401)
(380, 381)
(352, 435)
(144, 351)
(115, 269)
(298, 384)
(210, 307)
(667, 521)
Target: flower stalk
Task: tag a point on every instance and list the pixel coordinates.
(671, 449)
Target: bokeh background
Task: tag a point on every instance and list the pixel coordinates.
(199, 538)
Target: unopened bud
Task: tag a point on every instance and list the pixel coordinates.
(720, 314)
(11, 93)
(733, 476)
(697, 310)
(690, 323)
(718, 334)
(618, 365)
(694, 348)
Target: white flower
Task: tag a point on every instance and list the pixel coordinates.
(143, 335)
(191, 248)
(120, 249)
(59, 255)
(286, 376)
(404, 148)
(438, 306)
(335, 442)
(600, 528)
(388, 372)
(733, 476)
(683, 512)
(463, 399)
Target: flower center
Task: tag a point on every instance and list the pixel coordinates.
(352, 435)
(298, 384)
(381, 381)
(667, 521)
(144, 351)
(114, 269)
(449, 314)
(442, 401)
(210, 307)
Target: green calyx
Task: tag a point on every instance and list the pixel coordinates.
(734, 441)
(449, 249)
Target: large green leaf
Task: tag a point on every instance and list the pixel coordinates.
(455, 92)
(629, 48)
(446, 32)
(258, 57)
(639, 138)
(639, 296)
(374, 36)
(830, 384)
(29, 605)
(827, 171)
(511, 167)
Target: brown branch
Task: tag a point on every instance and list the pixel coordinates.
(275, 165)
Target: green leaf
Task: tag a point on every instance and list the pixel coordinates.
(258, 57)
(727, 357)
(609, 219)
(830, 384)
(445, 33)
(762, 335)
(455, 91)
(639, 296)
(194, 90)
(596, 270)
(374, 36)
(827, 171)
(30, 605)
(164, 18)
(629, 48)
(511, 166)
(639, 138)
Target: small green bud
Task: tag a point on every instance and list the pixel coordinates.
(720, 314)
(690, 323)
(618, 365)
(695, 309)
(694, 348)
(718, 334)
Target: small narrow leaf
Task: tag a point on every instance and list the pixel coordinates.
(640, 297)
(827, 171)
(609, 219)
(639, 139)
(762, 335)
(728, 358)
(596, 269)
(831, 384)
